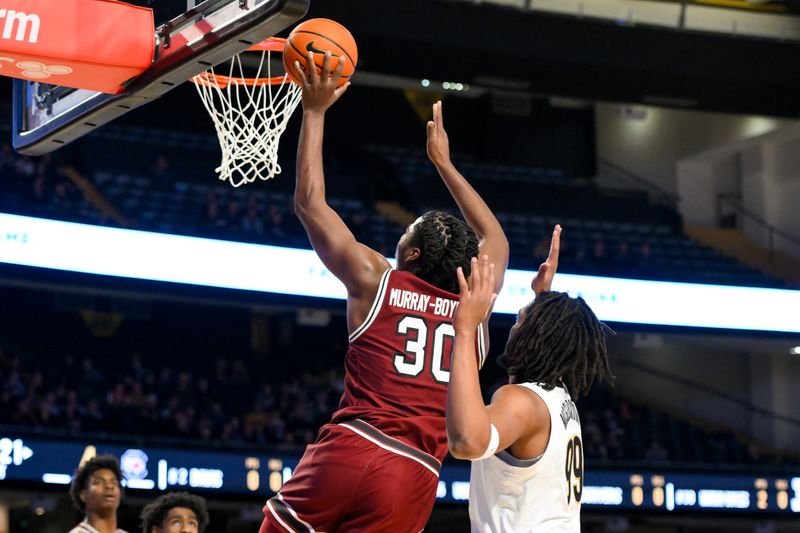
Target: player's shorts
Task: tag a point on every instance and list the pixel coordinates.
(355, 478)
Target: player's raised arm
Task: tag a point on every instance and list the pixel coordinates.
(493, 241)
(356, 265)
(543, 280)
(474, 430)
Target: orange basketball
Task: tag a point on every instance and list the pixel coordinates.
(320, 36)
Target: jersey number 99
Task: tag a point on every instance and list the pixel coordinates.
(573, 468)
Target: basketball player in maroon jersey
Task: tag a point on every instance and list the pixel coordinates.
(375, 467)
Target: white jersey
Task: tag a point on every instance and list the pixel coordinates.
(86, 527)
(537, 495)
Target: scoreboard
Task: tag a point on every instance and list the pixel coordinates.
(46, 462)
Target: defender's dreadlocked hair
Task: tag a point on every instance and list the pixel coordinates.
(156, 511)
(560, 340)
(445, 243)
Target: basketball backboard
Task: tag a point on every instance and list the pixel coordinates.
(46, 117)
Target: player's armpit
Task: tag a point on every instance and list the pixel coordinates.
(347, 259)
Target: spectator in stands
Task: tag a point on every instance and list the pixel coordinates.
(65, 193)
(252, 222)
(233, 214)
(77, 395)
(25, 168)
(621, 260)
(175, 512)
(161, 168)
(655, 453)
(599, 252)
(578, 256)
(644, 258)
(89, 373)
(614, 435)
(37, 192)
(276, 225)
(96, 491)
(212, 217)
(93, 418)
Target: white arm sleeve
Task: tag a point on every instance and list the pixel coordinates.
(494, 442)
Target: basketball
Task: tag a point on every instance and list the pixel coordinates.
(320, 36)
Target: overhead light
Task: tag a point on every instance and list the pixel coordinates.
(425, 83)
(795, 350)
(454, 86)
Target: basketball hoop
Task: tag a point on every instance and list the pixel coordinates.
(249, 114)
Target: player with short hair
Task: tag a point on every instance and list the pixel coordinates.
(375, 467)
(96, 491)
(175, 512)
(525, 446)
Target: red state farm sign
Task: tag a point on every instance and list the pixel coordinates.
(87, 44)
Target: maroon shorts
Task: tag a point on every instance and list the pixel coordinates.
(355, 478)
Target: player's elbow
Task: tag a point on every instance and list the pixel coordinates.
(300, 207)
(466, 448)
(306, 205)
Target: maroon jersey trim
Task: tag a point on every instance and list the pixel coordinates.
(286, 516)
(376, 305)
(393, 445)
(481, 347)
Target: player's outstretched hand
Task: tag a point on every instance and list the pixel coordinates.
(438, 143)
(543, 280)
(477, 295)
(320, 90)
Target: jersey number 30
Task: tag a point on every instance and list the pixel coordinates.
(574, 469)
(412, 363)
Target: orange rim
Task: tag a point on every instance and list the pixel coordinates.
(273, 44)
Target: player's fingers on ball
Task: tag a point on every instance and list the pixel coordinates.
(326, 64)
(340, 66)
(300, 73)
(312, 67)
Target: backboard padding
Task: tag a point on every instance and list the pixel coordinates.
(48, 117)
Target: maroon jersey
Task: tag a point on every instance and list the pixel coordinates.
(398, 364)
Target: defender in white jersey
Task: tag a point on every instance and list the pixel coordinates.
(557, 348)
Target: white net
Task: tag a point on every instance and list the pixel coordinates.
(249, 114)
